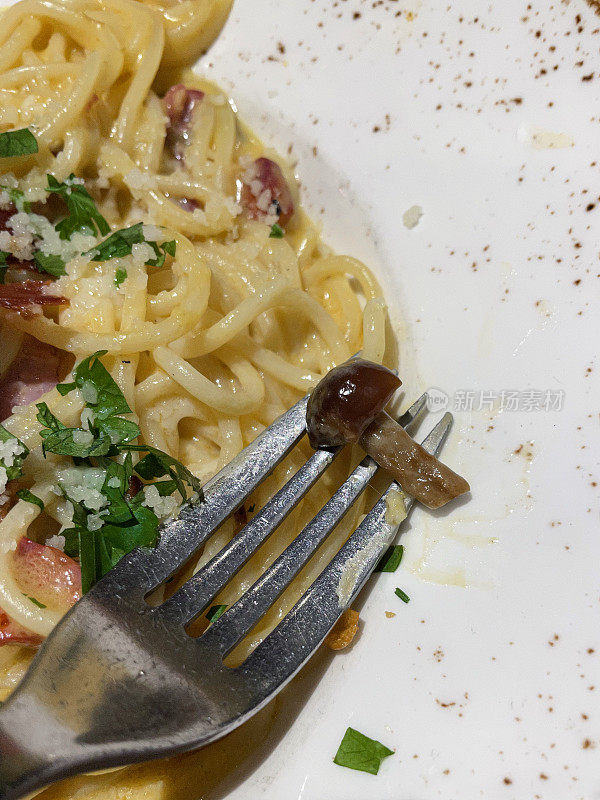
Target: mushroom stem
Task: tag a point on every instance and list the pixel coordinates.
(419, 473)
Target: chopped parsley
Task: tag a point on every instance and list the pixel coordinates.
(83, 216)
(17, 143)
(120, 276)
(119, 244)
(30, 497)
(50, 263)
(357, 751)
(402, 595)
(390, 561)
(110, 516)
(214, 612)
(276, 232)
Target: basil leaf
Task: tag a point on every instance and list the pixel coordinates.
(119, 510)
(29, 497)
(52, 264)
(65, 388)
(118, 430)
(214, 612)
(47, 419)
(357, 751)
(158, 464)
(276, 232)
(17, 143)
(83, 216)
(62, 442)
(142, 532)
(390, 560)
(109, 399)
(165, 488)
(118, 244)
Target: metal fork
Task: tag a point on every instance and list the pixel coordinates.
(119, 681)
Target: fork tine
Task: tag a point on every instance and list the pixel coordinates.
(181, 537)
(195, 595)
(296, 637)
(199, 591)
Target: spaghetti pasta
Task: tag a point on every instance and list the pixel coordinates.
(207, 348)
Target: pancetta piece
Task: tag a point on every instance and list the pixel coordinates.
(179, 104)
(46, 574)
(28, 297)
(37, 368)
(265, 192)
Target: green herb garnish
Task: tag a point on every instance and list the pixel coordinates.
(158, 464)
(17, 143)
(120, 276)
(277, 232)
(357, 751)
(124, 522)
(34, 601)
(119, 244)
(30, 497)
(214, 612)
(402, 595)
(52, 264)
(83, 215)
(390, 561)
(16, 469)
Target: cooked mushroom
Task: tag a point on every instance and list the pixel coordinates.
(347, 406)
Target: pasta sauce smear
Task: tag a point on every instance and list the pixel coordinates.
(163, 298)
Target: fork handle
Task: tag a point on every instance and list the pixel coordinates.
(22, 769)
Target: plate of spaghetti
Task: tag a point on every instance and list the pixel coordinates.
(205, 209)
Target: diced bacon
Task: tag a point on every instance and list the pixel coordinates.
(179, 104)
(13, 633)
(47, 574)
(26, 297)
(265, 192)
(37, 368)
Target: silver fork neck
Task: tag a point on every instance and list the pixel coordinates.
(27, 763)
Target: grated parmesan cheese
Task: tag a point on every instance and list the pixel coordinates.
(83, 437)
(141, 253)
(83, 485)
(152, 233)
(9, 450)
(87, 418)
(162, 506)
(89, 392)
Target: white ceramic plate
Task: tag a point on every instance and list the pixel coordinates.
(487, 116)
